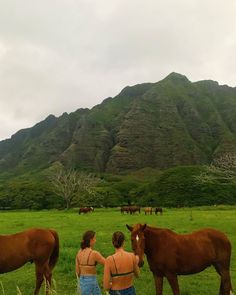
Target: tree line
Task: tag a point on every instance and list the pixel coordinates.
(180, 186)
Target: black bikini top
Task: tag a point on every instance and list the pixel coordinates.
(87, 263)
(120, 274)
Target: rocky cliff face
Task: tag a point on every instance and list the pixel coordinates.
(164, 124)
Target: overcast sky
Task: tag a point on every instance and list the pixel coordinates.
(60, 55)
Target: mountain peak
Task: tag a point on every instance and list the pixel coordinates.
(176, 77)
(207, 83)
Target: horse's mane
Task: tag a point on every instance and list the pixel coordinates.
(153, 229)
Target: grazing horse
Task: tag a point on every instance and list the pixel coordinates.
(148, 210)
(133, 209)
(85, 210)
(170, 254)
(40, 246)
(124, 209)
(159, 209)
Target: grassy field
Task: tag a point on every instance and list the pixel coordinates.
(70, 226)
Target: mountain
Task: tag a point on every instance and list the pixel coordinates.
(170, 123)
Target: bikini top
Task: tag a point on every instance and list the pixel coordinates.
(120, 274)
(87, 263)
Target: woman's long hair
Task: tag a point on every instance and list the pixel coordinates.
(118, 239)
(87, 236)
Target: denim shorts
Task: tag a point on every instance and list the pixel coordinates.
(88, 285)
(128, 291)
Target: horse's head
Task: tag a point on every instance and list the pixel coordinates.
(138, 241)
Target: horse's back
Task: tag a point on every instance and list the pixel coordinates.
(43, 244)
(217, 238)
(206, 247)
(220, 242)
(206, 240)
(40, 242)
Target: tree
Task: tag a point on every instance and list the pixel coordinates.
(73, 186)
(222, 170)
(226, 165)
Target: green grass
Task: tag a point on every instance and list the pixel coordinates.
(70, 226)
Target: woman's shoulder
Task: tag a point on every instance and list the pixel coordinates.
(109, 258)
(129, 253)
(130, 256)
(95, 252)
(78, 255)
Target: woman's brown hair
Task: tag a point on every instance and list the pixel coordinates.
(87, 236)
(118, 239)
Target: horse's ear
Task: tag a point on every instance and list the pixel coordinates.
(130, 228)
(143, 227)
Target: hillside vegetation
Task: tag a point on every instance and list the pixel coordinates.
(173, 127)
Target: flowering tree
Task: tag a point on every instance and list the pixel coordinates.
(222, 169)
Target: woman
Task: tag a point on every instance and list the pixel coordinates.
(86, 261)
(120, 268)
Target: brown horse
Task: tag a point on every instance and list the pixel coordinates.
(133, 209)
(40, 246)
(158, 209)
(85, 210)
(124, 209)
(148, 210)
(170, 254)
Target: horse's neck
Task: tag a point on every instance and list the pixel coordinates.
(155, 234)
(150, 235)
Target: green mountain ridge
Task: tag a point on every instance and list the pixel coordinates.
(160, 125)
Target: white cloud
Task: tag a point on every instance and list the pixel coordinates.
(58, 56)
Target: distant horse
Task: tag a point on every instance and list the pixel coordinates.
(148, 210)
(133, 209)
(158, 209)
(170, 254)
(124, 209)
(85, 210)
(40, 246)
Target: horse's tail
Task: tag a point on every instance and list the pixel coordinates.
(231, 289)
(55, 253)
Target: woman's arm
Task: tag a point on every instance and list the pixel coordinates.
(77, 267)
(136, 268)
(99, 258)
(107, 275)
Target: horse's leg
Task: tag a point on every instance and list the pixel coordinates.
(48, 277)
(173, 281)
(43, 271)
(225, 281)
(158, 283)
(39, 277)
